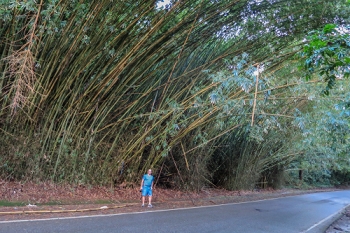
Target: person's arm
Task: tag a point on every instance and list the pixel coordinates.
(141, 183)
(152, 183)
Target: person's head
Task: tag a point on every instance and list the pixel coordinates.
(149, 172)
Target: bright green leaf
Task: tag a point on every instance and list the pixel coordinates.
(329, 28)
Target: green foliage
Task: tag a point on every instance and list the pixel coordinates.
(326, 126)
(328, 54)
(325, 138)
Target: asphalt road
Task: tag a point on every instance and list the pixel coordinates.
(309, 213)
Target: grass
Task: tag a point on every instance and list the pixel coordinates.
(5, 203)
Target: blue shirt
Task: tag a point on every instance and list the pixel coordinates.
(147, 180)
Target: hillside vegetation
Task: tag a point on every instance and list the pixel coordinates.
(206, 93)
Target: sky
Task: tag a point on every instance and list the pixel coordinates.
(162, 3)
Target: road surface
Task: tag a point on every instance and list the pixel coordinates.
(308, 213)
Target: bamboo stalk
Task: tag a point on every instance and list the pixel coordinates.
(255, 94)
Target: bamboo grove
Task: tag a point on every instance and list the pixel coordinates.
(204, 92)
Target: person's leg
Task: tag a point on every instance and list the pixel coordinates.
(149, 198)
(144, 194)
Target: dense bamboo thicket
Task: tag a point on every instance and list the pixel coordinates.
(98, 91)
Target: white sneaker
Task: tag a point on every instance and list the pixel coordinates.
(150, 206)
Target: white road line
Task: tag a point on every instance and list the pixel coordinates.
(325, 219)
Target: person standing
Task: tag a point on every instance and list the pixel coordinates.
(147, 187)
